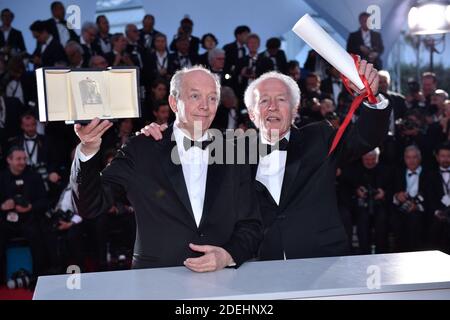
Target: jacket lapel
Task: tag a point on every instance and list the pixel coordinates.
(214, 177)
(292, 165)
(174, 171)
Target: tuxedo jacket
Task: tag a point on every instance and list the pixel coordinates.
(355, 40)
(280, 58)
(194, 45)
(306, 223)
(88, 53)
(14, 109)
(175, 63)
(15, 40)
(53, 29)
(45, 153)
(435, 191)
(231, 56)
(400, 183)
(155, 187)
(52, 54)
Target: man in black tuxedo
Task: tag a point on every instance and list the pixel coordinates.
(49, 51)
(103, 37)
(438, 190)
(410, 202)
(134, 49)
(41, 156)
(371, 187)
(88, 43)
(296, 183)
(275, 55)
(58, 25)
(366, 43)
(251, 66)
(23, 202)
(10, 111)
(185, 31)
(181, 210)
(10, 37)
(147, 33)
(236, 50)
(183, 57)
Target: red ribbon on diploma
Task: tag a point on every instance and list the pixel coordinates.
(355, 104)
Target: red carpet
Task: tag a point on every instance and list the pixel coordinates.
(15, 294)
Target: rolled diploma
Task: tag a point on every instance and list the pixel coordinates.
(318, 39)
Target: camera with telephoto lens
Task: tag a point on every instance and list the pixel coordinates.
(369, 200)
(21, 279)
(446, 214)
(57, 215)
(41, 168)
(20, 200)
(406, 124)
(418, 201)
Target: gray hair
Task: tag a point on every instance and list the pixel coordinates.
(385, 73)
(294, 90)
(213, 53)
(375, 152)
(413, 148)
(127, 28)
(88, 25)
(175, 83)
(75, 45)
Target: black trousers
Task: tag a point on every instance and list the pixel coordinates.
(27, 227)
(372, 228)
(439, 235)
(410, 230)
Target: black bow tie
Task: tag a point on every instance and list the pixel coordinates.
(188, 143)
(282, 145)
(412, 173)
(30, 139)
(445, 171)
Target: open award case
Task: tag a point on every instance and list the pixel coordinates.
(80, 95)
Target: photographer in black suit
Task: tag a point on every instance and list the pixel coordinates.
(57, 25)
(438, 188)
(366, 43)
(23, 202)
(200, 213)
(185, 31)
(410, 203)
(49, 51)
(11, 40)
(236, 50)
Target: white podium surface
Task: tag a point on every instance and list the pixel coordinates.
(414, 275)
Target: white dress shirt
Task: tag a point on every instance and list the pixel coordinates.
(66, 203)
(64, 35)
(271, 170)
(445, 178)
(44, 46)
(6, 34)
(366, 38)
(194, 163)
(161, 60)
(412, 181)
(31, 149)
(14, 90)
